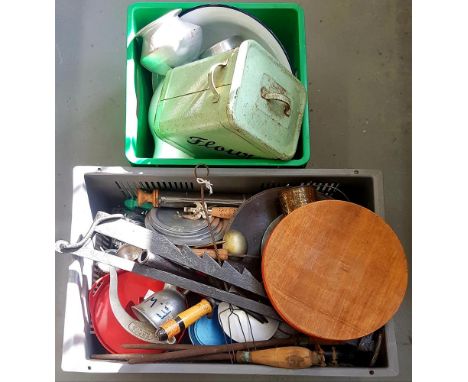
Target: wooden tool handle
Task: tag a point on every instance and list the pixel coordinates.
(148, 197)
(223, 253)
(290, 357)
(223, 212)
(196, 351)
(183, 320)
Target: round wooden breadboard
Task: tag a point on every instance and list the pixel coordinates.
(334, 270)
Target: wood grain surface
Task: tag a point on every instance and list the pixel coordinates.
(223, 253)
(289, 357)
(334, 270)
(223, 212)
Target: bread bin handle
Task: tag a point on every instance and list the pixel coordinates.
(211, 83)
(268, 96)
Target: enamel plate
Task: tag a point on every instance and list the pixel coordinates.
(221, 22)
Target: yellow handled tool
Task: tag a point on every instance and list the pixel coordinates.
(183, 320)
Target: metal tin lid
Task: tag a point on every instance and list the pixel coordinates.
(266, 102)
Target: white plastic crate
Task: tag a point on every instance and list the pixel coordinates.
(96, 188)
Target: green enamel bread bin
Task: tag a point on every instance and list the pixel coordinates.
(140, 147)
(238, 104)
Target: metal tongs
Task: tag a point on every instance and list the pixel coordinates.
(117, 227)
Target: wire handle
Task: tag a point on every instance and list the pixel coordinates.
(211, 83)
(266, 95)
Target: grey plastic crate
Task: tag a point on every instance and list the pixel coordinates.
(96, 188)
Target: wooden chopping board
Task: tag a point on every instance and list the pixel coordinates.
(334, 270)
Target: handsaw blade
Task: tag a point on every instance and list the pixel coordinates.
(225, 272)
(182, 282)
(154, 242)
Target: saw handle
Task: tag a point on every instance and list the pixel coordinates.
(183, 320)
(289, 357)
(223, 253)
(148, 197)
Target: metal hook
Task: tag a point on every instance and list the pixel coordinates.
(197, 167)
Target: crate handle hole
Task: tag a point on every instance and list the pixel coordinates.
(143, 257)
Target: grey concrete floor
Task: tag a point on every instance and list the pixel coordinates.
(359, 68)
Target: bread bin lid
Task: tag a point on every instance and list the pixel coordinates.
(266, 102)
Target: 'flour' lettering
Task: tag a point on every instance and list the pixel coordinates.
(199, 141)
(196, 140)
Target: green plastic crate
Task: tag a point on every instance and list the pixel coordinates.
(285, 20)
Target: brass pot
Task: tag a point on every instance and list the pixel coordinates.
(294, 197)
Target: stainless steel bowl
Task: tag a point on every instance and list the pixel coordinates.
(223, 46)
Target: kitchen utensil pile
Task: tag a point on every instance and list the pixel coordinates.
(288, 277)
(271, 295)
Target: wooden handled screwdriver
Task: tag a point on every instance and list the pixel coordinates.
(290, 357)
(197, 351)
